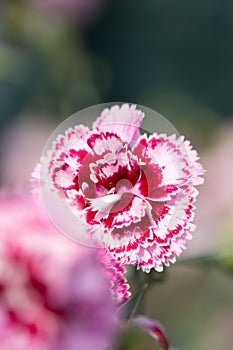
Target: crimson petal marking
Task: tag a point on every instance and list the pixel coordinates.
(64, 178)
(102, 202)
(172, 236)
(164, 248)
(130, 211)
(64, 175)
(124, 120)
(54, 164)
(112, 168)
(103, 205)
(158, 210)
(152, 184)
(150, 181)
(125, 244)
(74, 158)
(74, 138)
(104, 142)
(76, 200)
(162, 243)
(159, 152)
(168, 153)
(182, 155)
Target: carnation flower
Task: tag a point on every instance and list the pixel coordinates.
(54, 294)
(134, 193)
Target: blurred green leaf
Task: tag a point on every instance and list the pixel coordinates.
(129, 308)
(223, 262)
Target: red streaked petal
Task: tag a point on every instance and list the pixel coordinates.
(113, 168)
(104, 142)
(130, 209)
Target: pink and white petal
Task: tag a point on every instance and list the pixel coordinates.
(76, 200)
(106, 170)
(124, 120)
(171, 156)
(186, 161)
(197, 169)
(63, 179)
(105, 142)
(130, 209)
(151, 180)
(125, 244)
(74, 138)
(169, 238)
(151, 184)
(174, 219)
(159, 245)
(160, 153)
(110, 217)
(115, 168)
(67, 149)
(74, 158)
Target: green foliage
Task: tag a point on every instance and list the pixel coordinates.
(129, 308)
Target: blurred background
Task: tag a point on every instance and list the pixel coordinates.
(59, 56)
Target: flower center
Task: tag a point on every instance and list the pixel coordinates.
(115, 201)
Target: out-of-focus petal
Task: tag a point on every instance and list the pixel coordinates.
(116, 276)
(55, 294)
(154, 328)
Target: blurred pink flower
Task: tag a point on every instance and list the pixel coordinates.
(28, 132)
(135, 192)
(54, 294)
(117, 281)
